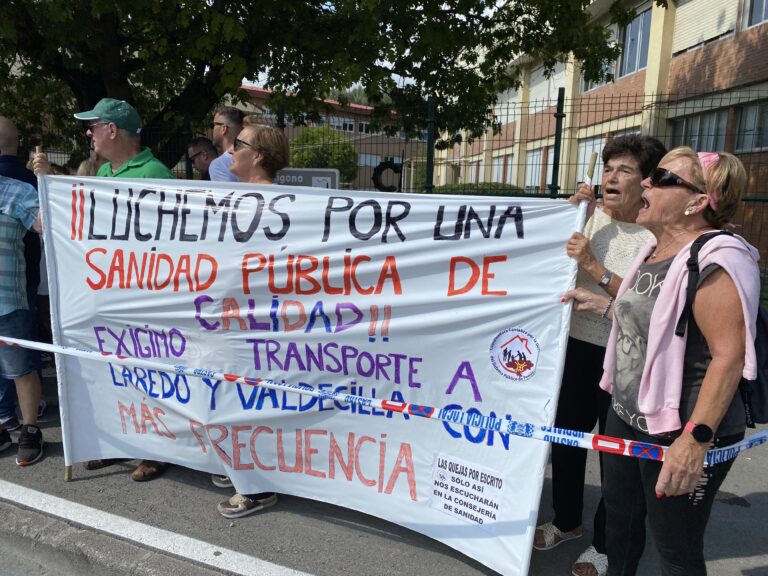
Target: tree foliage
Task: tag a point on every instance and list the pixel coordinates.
(324, 147)
(179, 60)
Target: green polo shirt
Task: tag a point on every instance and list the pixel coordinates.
(143, 165)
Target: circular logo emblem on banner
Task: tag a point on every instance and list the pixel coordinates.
(515, 354)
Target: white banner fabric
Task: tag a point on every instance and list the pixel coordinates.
(441, 301)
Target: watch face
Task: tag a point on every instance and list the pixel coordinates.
(702, 433)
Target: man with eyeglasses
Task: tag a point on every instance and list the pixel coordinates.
(201, 152)
(226, 125)
(114, 128)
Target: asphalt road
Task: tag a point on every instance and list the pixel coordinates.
(314, 537)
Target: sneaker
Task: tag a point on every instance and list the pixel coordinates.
(548, 536)
(30, 445)
(244, 504)
(12, 424)
(221, 481)
(5, 439)
(41, 408)
(590, 563)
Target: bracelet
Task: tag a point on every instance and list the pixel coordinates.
(607, 307)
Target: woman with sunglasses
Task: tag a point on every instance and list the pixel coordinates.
(678, 391)
(259, 152)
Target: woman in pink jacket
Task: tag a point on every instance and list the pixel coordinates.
(679, 391)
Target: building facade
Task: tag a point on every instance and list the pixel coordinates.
(693, 73)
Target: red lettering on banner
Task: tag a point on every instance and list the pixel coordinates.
(304, 274)
(474, 276)
(306, 449)
(124, 411)
(194, 425)
(254, 455)
(148, 416)
(309, 451)
(360, 476)
(150, 270)
(223, 433)
(335, 454)
(237, 446)
(298, 465)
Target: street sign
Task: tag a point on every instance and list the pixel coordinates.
(313, 177)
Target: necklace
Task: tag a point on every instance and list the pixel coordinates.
(658, 251)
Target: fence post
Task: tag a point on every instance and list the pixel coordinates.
(281, 118)
(559, 115)
(430, 144)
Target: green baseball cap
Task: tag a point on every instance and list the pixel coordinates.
(117, 111)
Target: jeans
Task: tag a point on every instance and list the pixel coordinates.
(677, 523)
(580, 406)
(7, 386)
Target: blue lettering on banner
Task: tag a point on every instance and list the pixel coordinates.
(153, 383)
(355, 399)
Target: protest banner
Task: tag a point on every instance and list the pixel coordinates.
(438, 301)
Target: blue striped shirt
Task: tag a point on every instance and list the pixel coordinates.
(19, 206)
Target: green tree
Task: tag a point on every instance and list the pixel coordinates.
(174, 60)
(324, 147)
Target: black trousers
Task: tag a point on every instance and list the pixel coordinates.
(581, 405)
(677, 523)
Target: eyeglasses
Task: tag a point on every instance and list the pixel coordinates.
(195, 155)
(214, 124)
(662, 178)
(239, 144)
(90, 127)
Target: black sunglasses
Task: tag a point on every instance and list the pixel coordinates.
(218, 124)
(662, 178)
(240, 144)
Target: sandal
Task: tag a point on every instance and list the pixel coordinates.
(590, 563)
(148, 470)
(547, 536)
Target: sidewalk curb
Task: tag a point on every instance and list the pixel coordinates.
(67, 549)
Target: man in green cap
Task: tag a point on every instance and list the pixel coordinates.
(114, 128)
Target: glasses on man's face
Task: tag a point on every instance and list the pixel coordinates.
(214, 124)
(662, 178)
(90, 127)
(195, 155)
(240, 144)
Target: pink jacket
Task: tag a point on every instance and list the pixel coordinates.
(662, 379)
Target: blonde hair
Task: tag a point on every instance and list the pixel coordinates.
(728, 177)
(271, 143)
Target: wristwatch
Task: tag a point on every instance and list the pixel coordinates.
(605, 279)
(700, 432)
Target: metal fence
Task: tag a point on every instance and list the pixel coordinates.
(517, 155)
